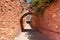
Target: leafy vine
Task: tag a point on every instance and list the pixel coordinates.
(39, 5)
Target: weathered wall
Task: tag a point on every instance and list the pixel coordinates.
(9, 18)
(49, 24)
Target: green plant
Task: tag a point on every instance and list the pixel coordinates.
(40, 5)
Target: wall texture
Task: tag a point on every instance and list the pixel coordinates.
(9, 18)
(49, 23)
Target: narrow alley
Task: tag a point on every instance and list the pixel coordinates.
(30, 34)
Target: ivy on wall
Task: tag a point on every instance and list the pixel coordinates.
(39, 5)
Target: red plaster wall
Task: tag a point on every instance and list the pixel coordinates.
(9, 18)
(50, 21)
(34, 21)
(51, 17)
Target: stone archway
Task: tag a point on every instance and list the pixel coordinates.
(21, 19)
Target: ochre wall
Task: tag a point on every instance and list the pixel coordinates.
(9, 18)
(49, 23)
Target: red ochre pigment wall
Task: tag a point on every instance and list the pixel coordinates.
(49, 23)
(9, 18)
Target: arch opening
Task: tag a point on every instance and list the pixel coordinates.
(29, 26)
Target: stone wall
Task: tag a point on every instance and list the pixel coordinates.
(9, 18)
